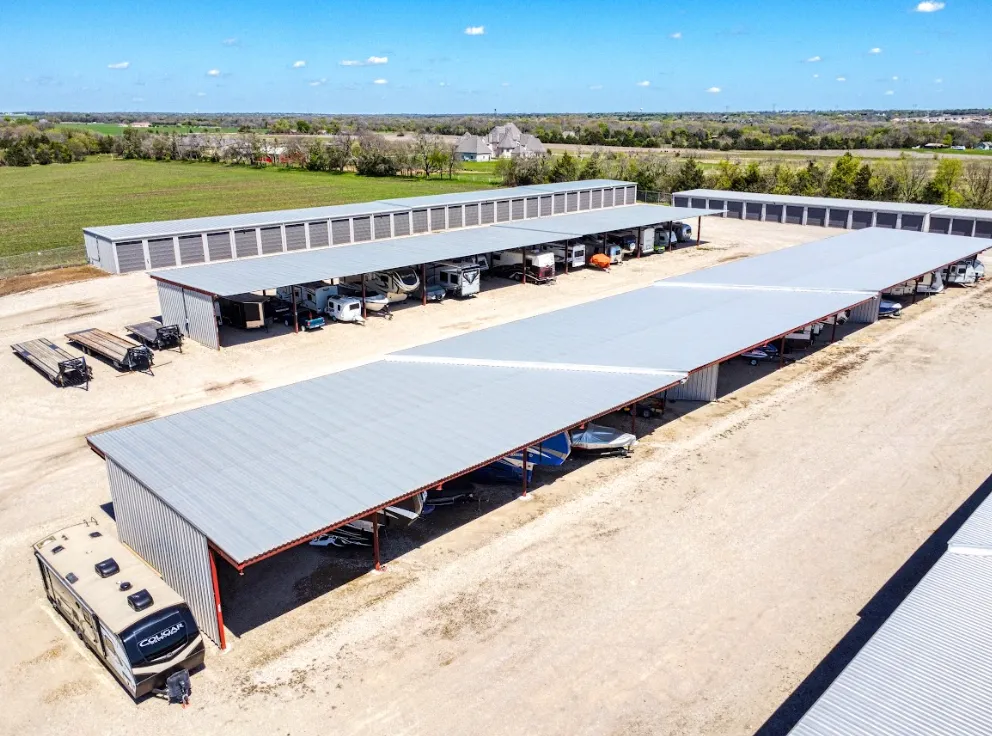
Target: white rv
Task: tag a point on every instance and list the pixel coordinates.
(400, 281)
(457, 279)
(540, 266)
(930, 283)
(628, 241)
(572, 253)
(965, 273)
(313, 295)
(345, 309)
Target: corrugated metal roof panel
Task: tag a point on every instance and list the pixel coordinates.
(607, 220)
(871, 259)
(264, 470)
(574, 186)
(660, 327)
(975, 535)
(927, 670)
(861, 204)
(481, 195)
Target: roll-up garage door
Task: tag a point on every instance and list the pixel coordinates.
(161, 252)
(318, 234)
(545, 205)
(219, 246)
(296, 237)
(583, 200)
(794, 214)
(571, 201)
(608, 197)
(437, 218)
(838, 218)
(455, 217)
(717, 204)
(401, 224)
(191, 249)
(735, 209)
(752, 210)
(886, 219)
(503, 211)
(517, 209)
(940, 225)
(382, 227)
(245, 243)
(131, 256)
(340, 232)
(983, 229)
(362, 228)
(597, 198)
(559, 203)
(631, 195)
(531, 207)
(488, 213)
(699, 203)
(471, 215)
(773, 212)
(816, 216)
(681, 201)
(860, 219)
(961, 226)
(271, 240)
(419, 221)
(912, 222)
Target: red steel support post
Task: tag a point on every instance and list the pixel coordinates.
(523, 265)
(296, 316)
(699, 229)
(523, 472)
(833, 330)
(781, 353)
(640, 236)
(916, 285)
(220, 613)
(633, 419)
(568, 252)
(375, 540)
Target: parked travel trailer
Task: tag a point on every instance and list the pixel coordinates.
(246, 311)
(133, 622)
(682, 231)
(457, 279)
(345, 309)
(839, 318)
(612, 251)
(805, 337)
(400, 281)
(312, 295)
(929, 283)
(965, 273)
(540, 266)
(375, 302)
(573, 253)
(630, 244)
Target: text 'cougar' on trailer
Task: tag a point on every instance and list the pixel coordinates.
(123, 611)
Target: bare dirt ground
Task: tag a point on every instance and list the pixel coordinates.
(685, 591)
(31, 281)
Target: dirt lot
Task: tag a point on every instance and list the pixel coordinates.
(688, 590)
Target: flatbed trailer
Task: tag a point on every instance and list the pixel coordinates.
(123, 353)
(156, 335)
(54, 363)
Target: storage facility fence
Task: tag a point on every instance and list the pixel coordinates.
(42, 260)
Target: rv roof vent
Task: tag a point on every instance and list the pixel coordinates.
(107, 567)
(125, 586)
(141, 600)
(94, 535)
(57, 548)
(71, 577)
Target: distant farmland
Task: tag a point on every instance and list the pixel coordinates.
(115, 129)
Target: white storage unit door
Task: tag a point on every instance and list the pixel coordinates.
(838, 217)
(816, 216)
(471, 215)
(341, 232)
(130, 256)
(532, 208)
(503, 211)
(419, 221)
(608, 197)
(631, 195)
(752, 211)
(939, 225)
(362, 229)
(169, 543)
(383, 229)
(678, 201)
(886, 219)
(773, 212)
(401, 224)
(318, 234)
(734, 209)
(454, 216)
(271, 240)
(219, 246)
(296, 237)
(962, 226)
(699, 386)
(437, 219)
(717, 204)
(191, 249)
(161, 252)
(983, 228)
(246, 243)
(699, 203)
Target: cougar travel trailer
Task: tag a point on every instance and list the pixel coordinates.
(400, 281)
(595, 438)
(134, 623)
(572, 253)
(966, 273)
(457, 279)
(510, 264)
(682, 232)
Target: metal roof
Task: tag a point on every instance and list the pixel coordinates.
(857, 204)
(927, 670)
(344, 444)
(660, 327)
(456, 198)
(963, 212)
(975, 535)
(166, 228)
(606, 220)
(871, 259)
(284, 269)
(574, 186)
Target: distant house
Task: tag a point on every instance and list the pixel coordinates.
(142, 124)
(984, 146)
(934, 145)
(503, 141)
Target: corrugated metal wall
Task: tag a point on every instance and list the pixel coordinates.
(699, 386)
(191, 249)
(172, 305)
(296, 237)
(455, 217)
(401, 224)
(245, 243)
(318, 235)
(202, 320)
(867, 312)
(219, 246)
(161, 253)
(168, 543)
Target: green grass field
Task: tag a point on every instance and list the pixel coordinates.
(44, 207)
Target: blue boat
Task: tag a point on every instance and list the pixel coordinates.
(554, 451)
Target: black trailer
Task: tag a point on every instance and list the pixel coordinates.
(122, 353)
(246, 311)
(54, 363)
(156, 335)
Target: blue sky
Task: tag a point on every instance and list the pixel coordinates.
(512, 56)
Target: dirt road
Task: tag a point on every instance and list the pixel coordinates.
(685, 591)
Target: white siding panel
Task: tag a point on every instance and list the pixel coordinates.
(201, 319)
(866, 313)
(168, 542)
(700, 385)
(170, 300)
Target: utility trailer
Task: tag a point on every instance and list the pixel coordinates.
(54, 363)
(124, 354)
(156, 335)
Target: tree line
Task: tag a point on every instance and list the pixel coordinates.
(24, 144)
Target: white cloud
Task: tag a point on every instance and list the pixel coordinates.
(895, 79)
(443, 84)
(889, 92)
(475, 31)
(379, 81)
(119, 65)
(595, 86)
(299, 64)
(875, 50)
(645, 83)
(813, 59)
(929, 7)
(677, 35)
(377, 60)
(350, 62)
(938, 80)
(816, 76)
(213, 73)
(230, 42)
(841, 79)
(317, 82)
(714, 90)
(201, 94)
(504, 84)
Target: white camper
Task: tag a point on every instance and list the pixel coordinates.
(966, 273)
(457, 279)
(930, 283)
(399, 281)
(574, 254)
(540, 266)
(313, 295)
(345, 309)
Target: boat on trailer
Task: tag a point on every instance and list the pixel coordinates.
(359, 533)
(596, 438)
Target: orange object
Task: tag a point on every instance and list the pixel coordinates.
(600, 260)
